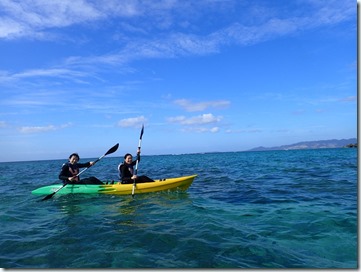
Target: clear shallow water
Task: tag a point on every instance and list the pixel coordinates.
(275, 209)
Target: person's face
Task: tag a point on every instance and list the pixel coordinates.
(73, 159)
(129, 159)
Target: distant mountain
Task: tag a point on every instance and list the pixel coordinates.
(311, 145)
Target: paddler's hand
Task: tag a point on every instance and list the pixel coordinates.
(134, 177)
(72, 179)
(91, 163)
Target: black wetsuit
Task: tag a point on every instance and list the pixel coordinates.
(126, 171)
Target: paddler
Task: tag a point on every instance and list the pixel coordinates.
(126, 170)
(70, 170)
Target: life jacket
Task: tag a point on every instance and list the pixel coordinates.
(74, 170)
(130, 168)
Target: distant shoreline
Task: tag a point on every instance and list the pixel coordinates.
(334, 143)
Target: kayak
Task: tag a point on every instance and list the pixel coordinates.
(179, 183)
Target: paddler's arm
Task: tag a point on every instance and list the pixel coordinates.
(66, 179)
(138, 157)
(87, 164)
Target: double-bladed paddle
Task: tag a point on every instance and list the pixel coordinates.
(110, 151)
(136, 165)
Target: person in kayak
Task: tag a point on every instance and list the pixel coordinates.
(70, 169)
(126, 170)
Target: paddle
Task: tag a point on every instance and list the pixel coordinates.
(136, 165)
(110, 151)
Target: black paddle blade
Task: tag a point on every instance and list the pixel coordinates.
(51, 195)
(48, 196)
(142, 131)
(112, 150)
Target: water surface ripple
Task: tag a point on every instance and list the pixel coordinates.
(275, 209)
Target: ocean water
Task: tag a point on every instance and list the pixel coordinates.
(274, 209)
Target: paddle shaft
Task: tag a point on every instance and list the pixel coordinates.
(111, 150)
(136, 164)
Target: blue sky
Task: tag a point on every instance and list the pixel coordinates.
(203, 76)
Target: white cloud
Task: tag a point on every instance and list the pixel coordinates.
(176, 44)
(59, 73)
(46, 72)
(190, 106)
(37, 129)
(132, 122)
(207, 118)
(41, 19)
(26, 18)
(202, 129)
(348, 99)
(32, 18)
(40, 129)
(9, 26)
(244, 131)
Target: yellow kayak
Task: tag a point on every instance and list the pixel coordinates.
(179, 183)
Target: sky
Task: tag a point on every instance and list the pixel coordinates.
(202, 76)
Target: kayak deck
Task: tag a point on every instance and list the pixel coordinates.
(179, 183)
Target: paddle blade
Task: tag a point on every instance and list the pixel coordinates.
(51, 195)
(133, 190)
(142, 131)
(48, 196)
(112, 150)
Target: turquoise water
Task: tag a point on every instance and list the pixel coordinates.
(274, 209)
